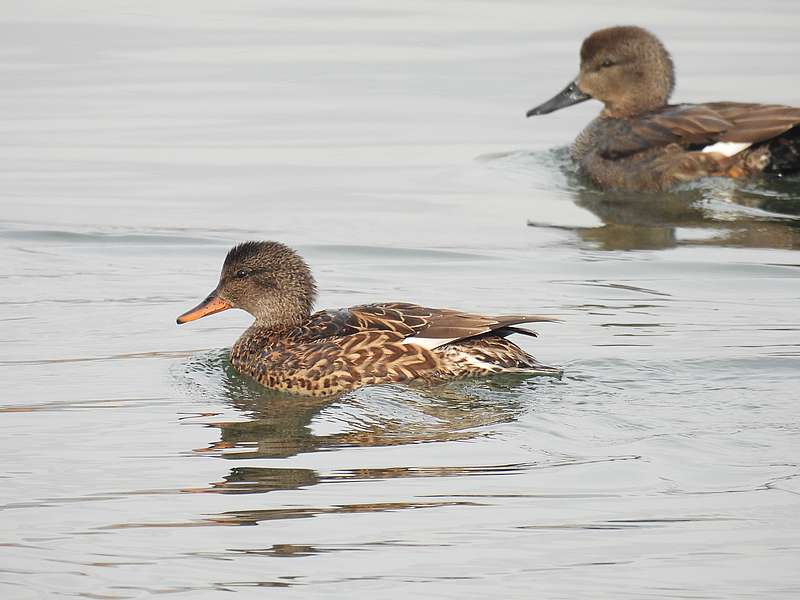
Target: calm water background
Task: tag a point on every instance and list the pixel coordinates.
(139, 140)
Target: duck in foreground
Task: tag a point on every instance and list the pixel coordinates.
(290, 349)
(639, 142)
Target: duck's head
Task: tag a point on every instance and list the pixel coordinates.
(267, 279)
(626, 68)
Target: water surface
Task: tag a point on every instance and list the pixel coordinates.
(389, 146)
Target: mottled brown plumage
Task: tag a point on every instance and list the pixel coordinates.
(639, 142)
(288, 348)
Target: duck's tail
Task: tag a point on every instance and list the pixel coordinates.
(492, 353)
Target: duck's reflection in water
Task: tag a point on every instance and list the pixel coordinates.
(281, 425)
(763, 213)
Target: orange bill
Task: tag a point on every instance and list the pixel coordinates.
(209, 306)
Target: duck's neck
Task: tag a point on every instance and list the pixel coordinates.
(289, 306)
(633, 105)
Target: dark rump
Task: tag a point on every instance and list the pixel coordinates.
(784, 152)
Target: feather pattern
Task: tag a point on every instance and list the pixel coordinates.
(339, 350)
(670, 145)
(687, 126)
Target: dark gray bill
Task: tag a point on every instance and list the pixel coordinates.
(567, 97)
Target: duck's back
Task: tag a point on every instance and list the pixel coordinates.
(338, 350)
(678, 143)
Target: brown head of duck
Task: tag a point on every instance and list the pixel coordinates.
(625, 67)
(268, 280)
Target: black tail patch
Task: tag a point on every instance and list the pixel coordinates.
(506, 331)
(784, 152)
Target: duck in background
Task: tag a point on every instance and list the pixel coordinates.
(639, 142)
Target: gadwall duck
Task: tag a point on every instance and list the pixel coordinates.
(639, 142)
(332, 351)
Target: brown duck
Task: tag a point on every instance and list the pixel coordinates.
(639, 142)
(290, 349)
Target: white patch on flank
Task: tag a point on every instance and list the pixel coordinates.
(479, 363)
(727, 148)
(429, 343)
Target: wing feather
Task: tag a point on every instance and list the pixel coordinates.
(429, 327)
(696, 125)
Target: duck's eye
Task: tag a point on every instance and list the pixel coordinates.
(243, 273)
(606, 63)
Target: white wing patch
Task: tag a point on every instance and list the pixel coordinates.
(727, 148)
(429, 343)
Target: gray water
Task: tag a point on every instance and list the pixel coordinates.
(387, 143)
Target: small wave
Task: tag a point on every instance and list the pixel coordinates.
(56, 236)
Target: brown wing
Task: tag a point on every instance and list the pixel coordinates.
(695, 125)
(756, 122)
(339, 350)
(410, 320)
(443, 323)
(401, 318)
